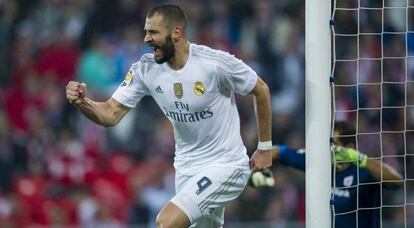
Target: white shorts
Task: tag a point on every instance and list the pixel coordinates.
(204, 195)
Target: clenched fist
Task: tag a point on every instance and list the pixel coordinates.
(261, 159)
(75, 92)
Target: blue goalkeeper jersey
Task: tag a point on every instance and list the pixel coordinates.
(346, 192)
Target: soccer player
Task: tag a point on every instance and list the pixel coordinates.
(194, 85)
(352, 168)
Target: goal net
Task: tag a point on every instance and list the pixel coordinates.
(373, 89)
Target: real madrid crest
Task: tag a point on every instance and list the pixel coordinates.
(178, 90)
(199, 88)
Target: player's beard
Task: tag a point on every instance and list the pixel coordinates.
(167, 51)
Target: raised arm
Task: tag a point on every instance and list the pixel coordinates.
(372, 165)
(262, 157)
(107, 113)
(389, 174)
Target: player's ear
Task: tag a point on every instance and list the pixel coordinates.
(177, 34)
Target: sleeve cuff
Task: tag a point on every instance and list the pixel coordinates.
(250, 85)
(282, 148)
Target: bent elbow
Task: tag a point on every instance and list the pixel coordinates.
(396, 182)
(394, 185)
(112, 119)
(108, 125)
(111, 123)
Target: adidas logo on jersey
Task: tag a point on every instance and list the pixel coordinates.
(159, 90)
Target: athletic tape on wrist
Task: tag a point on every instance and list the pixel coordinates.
(267, 145)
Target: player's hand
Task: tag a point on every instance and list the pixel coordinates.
(262, 178)
(346, 154)
(261, 159)
(75, 92)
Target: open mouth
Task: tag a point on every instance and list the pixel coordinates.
(156, 50)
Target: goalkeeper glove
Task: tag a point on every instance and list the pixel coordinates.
(346, 154)
(262, 178)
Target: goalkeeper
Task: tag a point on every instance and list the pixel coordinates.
(351, 168)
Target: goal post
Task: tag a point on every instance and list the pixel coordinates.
(318, 113)
(372, 62)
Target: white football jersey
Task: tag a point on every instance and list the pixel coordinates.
(199, 101)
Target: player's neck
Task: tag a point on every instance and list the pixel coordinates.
(342, 167)
(182, 51)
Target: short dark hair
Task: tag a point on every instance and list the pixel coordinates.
(346, 132)
(173, 15)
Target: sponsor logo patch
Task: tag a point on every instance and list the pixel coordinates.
(127, 79)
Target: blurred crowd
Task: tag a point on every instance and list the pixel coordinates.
(58, 168)
(374, 82)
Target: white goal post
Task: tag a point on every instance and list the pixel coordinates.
(318, 113)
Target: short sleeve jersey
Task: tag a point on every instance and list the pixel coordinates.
(199, 102)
